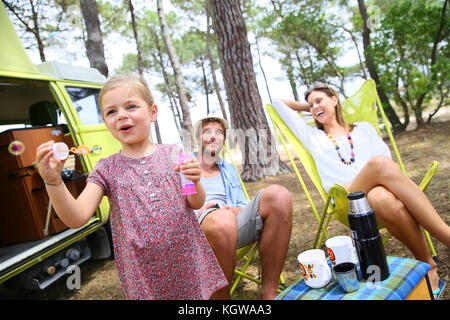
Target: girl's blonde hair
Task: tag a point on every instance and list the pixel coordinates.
(330, 92)
(132, 81)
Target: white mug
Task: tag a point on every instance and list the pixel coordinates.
(340, 249)
(316, 272)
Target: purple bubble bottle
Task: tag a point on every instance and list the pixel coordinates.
(188, 187)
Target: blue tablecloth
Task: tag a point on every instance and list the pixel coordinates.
(405, 274)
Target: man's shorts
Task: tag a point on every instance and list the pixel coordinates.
(249, 221)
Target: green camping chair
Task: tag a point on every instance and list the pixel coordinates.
(248, 252)
(362, 106)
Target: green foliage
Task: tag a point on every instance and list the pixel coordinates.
(402, 50)
(309, 36)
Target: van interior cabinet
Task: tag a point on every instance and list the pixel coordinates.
(24, 200)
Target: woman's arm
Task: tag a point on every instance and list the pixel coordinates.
(300, 128)
(295, 105)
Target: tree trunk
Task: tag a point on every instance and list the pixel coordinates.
(159, 58)
(418, 111)
(390, 112)
(260, 157)
(304, 71)
(290, 75)
(94, 44)
(213, 65)
(443, 96)
(205, 82)
(173, 57)
(261, 67)
(37, 33)
(136, 38)
(439, 37)
(140, 60)
(355, 42)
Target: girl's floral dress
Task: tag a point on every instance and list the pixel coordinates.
(160, 249)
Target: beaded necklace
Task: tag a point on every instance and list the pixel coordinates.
(336, 146)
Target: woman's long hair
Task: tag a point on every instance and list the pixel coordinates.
(330, 92)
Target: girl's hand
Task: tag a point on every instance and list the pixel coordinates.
(49, 168)
(191, 170)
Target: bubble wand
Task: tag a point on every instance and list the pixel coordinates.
(61, 150)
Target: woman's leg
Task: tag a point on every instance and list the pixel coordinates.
(383, 171)
(398, 220)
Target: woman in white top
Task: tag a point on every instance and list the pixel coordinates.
(354, 156)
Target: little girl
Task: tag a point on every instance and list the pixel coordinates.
(161, 251)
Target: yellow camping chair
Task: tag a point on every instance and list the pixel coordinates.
(362, 106)
(248, 252)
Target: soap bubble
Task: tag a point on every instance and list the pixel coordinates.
(60, 151)
(16, 148)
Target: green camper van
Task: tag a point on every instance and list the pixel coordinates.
(38, 103)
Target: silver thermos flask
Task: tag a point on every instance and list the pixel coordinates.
(366, 237)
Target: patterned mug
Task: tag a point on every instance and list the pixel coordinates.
(316, 272)
(340, 249)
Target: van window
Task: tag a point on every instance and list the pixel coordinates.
(26, 104)
(86, 103)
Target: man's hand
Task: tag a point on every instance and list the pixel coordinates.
(206, 207)
(235, 210)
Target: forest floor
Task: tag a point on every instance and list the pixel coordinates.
(418, 148)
